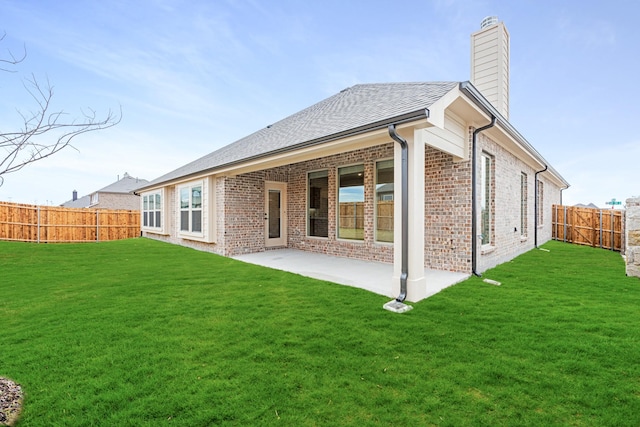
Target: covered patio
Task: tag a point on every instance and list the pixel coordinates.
(369, 275)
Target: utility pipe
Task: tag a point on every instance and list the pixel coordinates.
(536, 207)
(474, 209)
(404, 273)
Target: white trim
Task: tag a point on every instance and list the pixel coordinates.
(163, 229)
(190, 235)
(307, 196)
(375, 199)
(283, 239)
(337, 198)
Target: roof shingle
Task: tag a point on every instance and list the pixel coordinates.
(349, 109)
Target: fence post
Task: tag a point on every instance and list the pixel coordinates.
(613, 236)
(564, 224)
(97, 225)
(38, 226)
(556, 223)
(600, 228)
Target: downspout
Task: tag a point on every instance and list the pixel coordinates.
(474, 209)
(404, 273)
(535, 209)
(561, 190)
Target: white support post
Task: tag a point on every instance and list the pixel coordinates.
(416, 284)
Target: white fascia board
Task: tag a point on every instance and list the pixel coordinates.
(448, 131)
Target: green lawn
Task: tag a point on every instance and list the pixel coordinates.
(138, 332)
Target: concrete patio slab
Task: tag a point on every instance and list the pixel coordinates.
(371, 276)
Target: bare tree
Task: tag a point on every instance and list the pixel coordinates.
(43, 132)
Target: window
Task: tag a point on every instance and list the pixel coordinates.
(152, 210)
(384, 201)
(540, 196)
(351, 202)
(318, 204)
(523, 204)
(486, 198)
(191, 208)
(93, 200)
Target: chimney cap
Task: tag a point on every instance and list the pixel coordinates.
(488, 21)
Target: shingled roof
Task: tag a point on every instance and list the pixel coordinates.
(124, 185)
(353, 108)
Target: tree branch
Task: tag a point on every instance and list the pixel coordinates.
(44, 132)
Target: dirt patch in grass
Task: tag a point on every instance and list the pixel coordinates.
(10, 402)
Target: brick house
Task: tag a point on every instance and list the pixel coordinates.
(330, 179)
(117, 195)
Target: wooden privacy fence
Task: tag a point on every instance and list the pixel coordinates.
(602, 228)
(54, 224)
(352, 215)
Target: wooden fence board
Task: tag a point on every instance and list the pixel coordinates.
(55, 224)
(603, 228)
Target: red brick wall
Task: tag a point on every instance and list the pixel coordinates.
(240, 209)
(447, 212)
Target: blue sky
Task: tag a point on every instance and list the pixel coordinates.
(192, 76)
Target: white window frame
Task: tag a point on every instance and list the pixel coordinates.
(191, 209)
(540, 196)
(337, 197)
(524, 205)
(308, 208)
(161, 210)
(487, 197)
(385, 197)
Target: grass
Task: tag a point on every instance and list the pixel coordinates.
(138, 332)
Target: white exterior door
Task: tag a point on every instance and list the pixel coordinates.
(275, 214)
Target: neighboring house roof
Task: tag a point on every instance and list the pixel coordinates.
(82, 202)
(356, 107)
(125, 185)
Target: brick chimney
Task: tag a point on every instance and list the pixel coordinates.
(490, 63)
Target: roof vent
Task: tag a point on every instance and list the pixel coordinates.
(488, 21)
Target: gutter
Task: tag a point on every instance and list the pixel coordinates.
(535, 209)
(474, 197)
(404, 273)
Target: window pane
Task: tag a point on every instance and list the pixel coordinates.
(158, 201)
(158, 219)
(145, 203)
(540, 203)
(145, 221)
(274, 214)
(523, 204)
(151, 205)
(384, 201)
(318, 204)
(184, 198)
(184, 221)
(485, 199)
(196, 197)
(151, 219)
(351, 202)
(196, 221)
